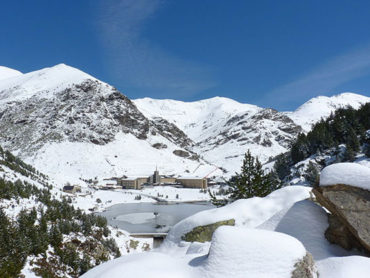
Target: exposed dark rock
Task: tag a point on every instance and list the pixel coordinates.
(259, 129)
(204, 233)
(351, 208)
(181, 153)
(87, 112)
(172, 132)
(338, 233)
(159, 146)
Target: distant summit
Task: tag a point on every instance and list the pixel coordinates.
(6, 73)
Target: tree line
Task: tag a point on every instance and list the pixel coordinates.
(346, 126)
(50, 232)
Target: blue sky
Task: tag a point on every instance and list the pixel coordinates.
(270, 53)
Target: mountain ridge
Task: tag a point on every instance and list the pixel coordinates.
(67, 122)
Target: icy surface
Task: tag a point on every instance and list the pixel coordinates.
(353, 174)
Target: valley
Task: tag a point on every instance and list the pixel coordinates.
(78, 144)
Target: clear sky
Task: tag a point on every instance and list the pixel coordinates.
(270, 53)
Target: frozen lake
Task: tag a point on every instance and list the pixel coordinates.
(151, 217)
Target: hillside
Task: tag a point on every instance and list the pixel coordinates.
(321, 107)
(223, 129)
(8, 72)
(343, 137)
(41, 232)
(74, 126)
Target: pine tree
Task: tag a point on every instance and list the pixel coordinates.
(282, 165)
(349, 155)
(312, 173)
(250, 182)
(352, 140)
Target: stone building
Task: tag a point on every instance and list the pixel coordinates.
(168, 180)
(193, 182)
(156, 179)
(133, 183)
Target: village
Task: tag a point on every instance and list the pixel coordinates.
(140, 182)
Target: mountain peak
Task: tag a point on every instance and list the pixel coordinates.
(42, 83)
(322, 106)
(6, 73)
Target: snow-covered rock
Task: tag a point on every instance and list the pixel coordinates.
(237, 252)
(307, 222)
(352, 174)
(233, 252)
(344, 191)
(344, 267)
(246, 212)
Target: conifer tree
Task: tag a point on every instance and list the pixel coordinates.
(349, 155)
(250, 182)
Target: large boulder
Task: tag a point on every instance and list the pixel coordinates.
(204, 233)
(253, 253)
(344, 191)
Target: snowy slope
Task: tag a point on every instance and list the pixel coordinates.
(42, 83)
(8, 73)
(321, 107)
(194, 118)
(224, 129)
(74, 126)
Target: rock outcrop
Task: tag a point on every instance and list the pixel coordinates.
(349, 224)
(305, 268)
(204, 233)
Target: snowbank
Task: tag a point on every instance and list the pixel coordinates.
(233, 253)
(246, 212)
(344, 267)
(237, 252)
(145, 265)
(346, 173)
(307, 222)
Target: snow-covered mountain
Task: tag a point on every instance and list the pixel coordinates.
(8, 72)
(72, 125)
(223, 129)
(321, 107)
